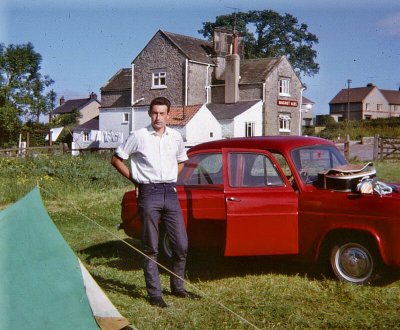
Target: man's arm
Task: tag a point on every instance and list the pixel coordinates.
(180, 167)
(120, 166)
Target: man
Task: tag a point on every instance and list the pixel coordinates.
(156, 155)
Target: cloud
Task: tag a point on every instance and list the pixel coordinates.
(391, 24)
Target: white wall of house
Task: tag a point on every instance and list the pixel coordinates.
(375, 105)
(115, 123)
(140, 118)
(227, 128)
(89, 112)
(202, 127)
(252, 115)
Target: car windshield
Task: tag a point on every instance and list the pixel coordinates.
(310, 161)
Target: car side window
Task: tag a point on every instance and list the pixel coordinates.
(202, 169)
(252, 170)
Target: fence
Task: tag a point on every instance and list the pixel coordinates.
(386, 148)
(55, 149)
(32, 151)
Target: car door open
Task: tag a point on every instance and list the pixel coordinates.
(261, 205)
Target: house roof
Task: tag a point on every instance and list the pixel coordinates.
(357, 94)
(70, 105)
(180, 116)
(307, 101)
(230, 111)
(92, 124)
(193, 48)
(256, 70)
(392, 96)
(121, 80)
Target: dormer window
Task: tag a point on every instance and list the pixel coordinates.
(159, 79)
(284, 87)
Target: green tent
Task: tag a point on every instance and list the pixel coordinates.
(43, 284)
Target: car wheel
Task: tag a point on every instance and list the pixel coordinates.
(353, 261)
(165, 244)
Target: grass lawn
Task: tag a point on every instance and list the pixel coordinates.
(83, 195)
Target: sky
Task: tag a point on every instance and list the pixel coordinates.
(84, 43)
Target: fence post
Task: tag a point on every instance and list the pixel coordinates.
(347, 147)
(376, 147)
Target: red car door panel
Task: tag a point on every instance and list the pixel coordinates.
(261, 205)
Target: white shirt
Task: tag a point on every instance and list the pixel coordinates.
(154, 158)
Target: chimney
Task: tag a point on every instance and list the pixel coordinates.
(232, 73)
(93, 96)
(62, 100)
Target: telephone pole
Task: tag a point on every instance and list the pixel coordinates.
(348, 99)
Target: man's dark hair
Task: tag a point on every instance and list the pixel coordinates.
(160, 101)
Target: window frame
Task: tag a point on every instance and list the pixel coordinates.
(159, 80)
(85, 136)
(284, 87)
(249, 125)
(282, 120)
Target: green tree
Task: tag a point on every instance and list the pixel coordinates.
(274, 35)
(22, 86)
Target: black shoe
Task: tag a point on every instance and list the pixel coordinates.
(157, 301)
(185, 294)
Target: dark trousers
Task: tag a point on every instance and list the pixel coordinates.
(158, 202)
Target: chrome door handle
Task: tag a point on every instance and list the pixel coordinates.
(233, 199)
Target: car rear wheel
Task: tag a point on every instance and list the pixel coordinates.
(353, 261)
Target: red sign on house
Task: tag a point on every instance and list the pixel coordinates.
(287, 103)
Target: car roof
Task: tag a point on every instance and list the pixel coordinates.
(273, 143)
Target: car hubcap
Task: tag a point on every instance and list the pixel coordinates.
(354, 262)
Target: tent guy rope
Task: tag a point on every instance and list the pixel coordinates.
(76, 208)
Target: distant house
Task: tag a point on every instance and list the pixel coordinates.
(368, 102)
(307, 112)
(87, 135)
(88, 108)
(245, 97)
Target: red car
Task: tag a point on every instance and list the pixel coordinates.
(286, 195)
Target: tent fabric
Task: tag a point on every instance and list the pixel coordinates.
(41, 283)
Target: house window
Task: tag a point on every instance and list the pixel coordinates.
(158, 80)
(284, 87)
(86, 136)
(367, 106)
(211, 134)
(126, 118)
(284, 123)
(379, 107)
(250, 129)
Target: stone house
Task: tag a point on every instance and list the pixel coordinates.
(367, 102)
(195, 72)
(88, 108)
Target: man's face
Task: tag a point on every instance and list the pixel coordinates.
(159, 116)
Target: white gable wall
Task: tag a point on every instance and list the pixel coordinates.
(254, 114)
(202, 126)
(227, 128)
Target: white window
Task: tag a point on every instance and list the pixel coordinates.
(366, 106)
(86, 136)
(284, 123)
(159, 80)
(379, 107)
(284, 87)
(125, 118)
(250, 129)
